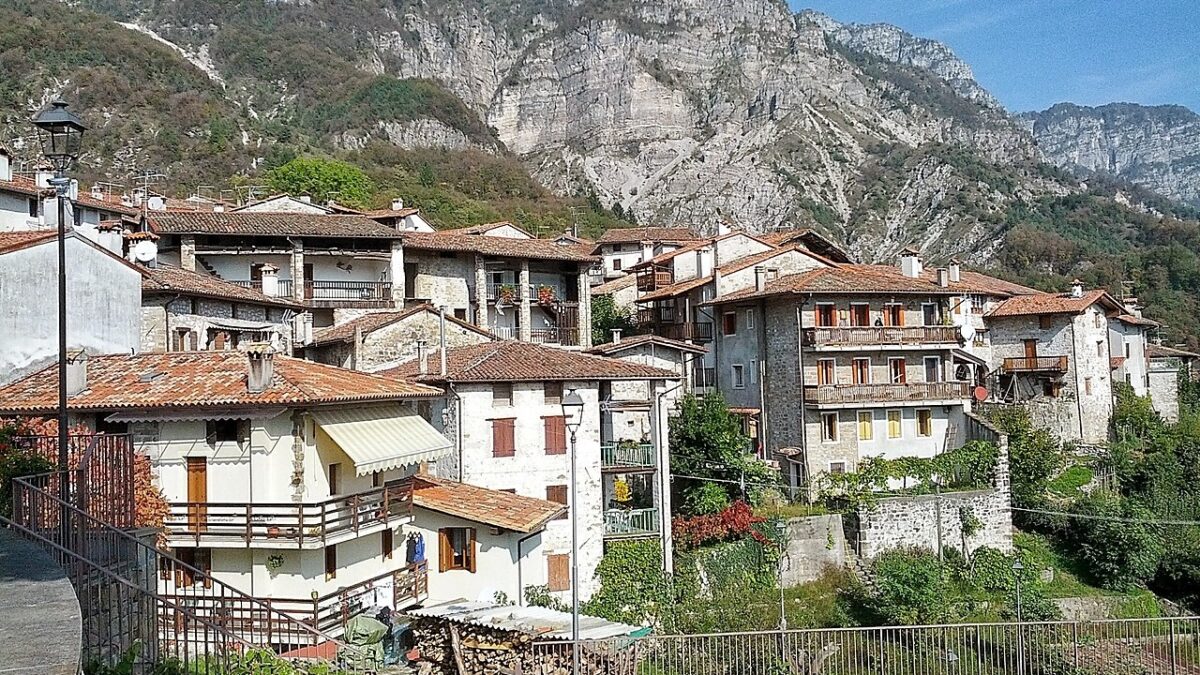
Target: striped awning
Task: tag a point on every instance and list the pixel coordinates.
(378, 438)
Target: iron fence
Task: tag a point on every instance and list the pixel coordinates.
(1166, 646)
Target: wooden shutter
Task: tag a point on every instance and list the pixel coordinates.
(445, 551)
(503, 438)
(386, 544)
(193, 341)
(558, 495)
(558, 572)
(556, 435)
(218, 340)
(469, 553)
(331, 562)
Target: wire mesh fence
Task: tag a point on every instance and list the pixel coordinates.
(1167, 646)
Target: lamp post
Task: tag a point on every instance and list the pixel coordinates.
(572, 410)
(1017, 568)
(61, 135)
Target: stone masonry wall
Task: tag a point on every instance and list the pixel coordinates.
(813, 543)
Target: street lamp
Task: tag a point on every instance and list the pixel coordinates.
(1017, 568)
(572, 410)
(61, 135)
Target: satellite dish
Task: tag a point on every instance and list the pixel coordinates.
(145, 251)
(980, 394)
(967, 331)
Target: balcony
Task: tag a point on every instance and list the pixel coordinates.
(565, 337)
(852, 394)
(1035, 364)
(361, 294)
(881, 336)
(289, 525)
(654, 278)
(630, 523)
(283, 287)
(696, 331)
(627, 456)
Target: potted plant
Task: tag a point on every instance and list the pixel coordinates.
(508, 293)
(272, 531)
(545, 295)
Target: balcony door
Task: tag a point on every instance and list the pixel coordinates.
(862, 371)
(826, 315)
(197, 492)
(860, 314)
(1030, 350)
(893, 315)
(308, 281)
(897, 372)
(933, 369)
(825, 372)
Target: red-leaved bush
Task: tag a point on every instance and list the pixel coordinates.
(735, 522)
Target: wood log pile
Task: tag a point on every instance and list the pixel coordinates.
(457, 648)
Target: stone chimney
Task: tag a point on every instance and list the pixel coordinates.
(910, 263)
(261, 361)
(943, 277)
(307, 199)
(616, 335)
(955, 270)
(109, 236)
(5, 164)
(1077, 289)
(760, 278)
(270, 280)
(77, 381)
(397, 204)
(422, 358)
(704, 261)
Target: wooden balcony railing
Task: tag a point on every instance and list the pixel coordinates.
(1036, 364)
(627, 455)
(880, 335)
(650, 280)
(886, 393)
(283, 287)
(700, 331)
(567, 337)
(328, 613)
(630, 522)
(656, 315)
(338, 293)
(290, 524)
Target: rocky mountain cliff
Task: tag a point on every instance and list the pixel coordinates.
(1157, 147)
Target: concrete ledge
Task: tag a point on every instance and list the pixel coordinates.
(39, 612)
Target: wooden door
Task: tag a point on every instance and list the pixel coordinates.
(568, 325)
(308, 281)
(1030, 349)
(197, 492)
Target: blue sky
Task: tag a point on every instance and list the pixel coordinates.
(1033, 53)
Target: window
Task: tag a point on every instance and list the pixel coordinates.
(335, 479)
(222, 431)
(895, 428)
(978, 304)
(33, 208)
(826, 314)
(893, 314)
(829, 427)
(729, 323)
(616, 264)
(753, 371)
(197, 564)
(929, 314)
(957, 304)
(1051, 389)
(866, 424)
(1100, 348)
(558, 495)
(387, 543)
(1099, 320)
(933, 369)
(456, 549)
(558, 572)
(750, 319)
(552, 393)
(837, 467)
(897, 371)
(460, 313)
(376, 479)
(504, 438)
(331, 565)
(219, 340)
(1087, 386)
(862, 370)
(825, 371)
(1127, 350)
(925, 423)
(1044, 321)
(502, 394)
(186, 340)
(739, 376)
(860, 314)
(555, 429)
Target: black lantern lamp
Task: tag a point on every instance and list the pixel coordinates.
(61, 133)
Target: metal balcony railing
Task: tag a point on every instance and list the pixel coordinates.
(630, 522)
(914, 392)
(1033, 364)
(283, 287)
(627, 455)
(881, 336)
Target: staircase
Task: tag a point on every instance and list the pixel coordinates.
(860, 569)
(207, 267)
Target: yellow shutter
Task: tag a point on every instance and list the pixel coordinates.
(893, 418)
(864, 426)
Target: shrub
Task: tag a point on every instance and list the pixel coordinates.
(735, 522)
(705, 499)
(1118, 554)
(910, 587)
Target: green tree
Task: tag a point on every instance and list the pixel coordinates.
(607, 317)
(1118, 552)
(910, 587)
(323, 179)
(1134, 416)
(1035, 457)
(707, 443)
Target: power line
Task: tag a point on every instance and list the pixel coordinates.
(1118, 519)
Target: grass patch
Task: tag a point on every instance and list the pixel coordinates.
(794, 510)
(1070, 482)
(1041, 552)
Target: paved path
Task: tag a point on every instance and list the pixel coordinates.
(39, 613)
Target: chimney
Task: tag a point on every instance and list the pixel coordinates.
(270, 280)
(97, 192)
(76, 372)
(219, 208)
(616, 335)
(397, 204)
(307, 199)
(1077, 289)
(126, 200)
(73, 189)
(110, 237)
(943, 277)
(261, 360)
(760, 278)
(423, 357)
(5, 164)
(704, 261)
(910, 262)
(955, 270)
(42, 174)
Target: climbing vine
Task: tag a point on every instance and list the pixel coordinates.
(970, 467)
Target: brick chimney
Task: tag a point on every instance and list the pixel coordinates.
(260, 359)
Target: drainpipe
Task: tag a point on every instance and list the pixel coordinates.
(442, 338)
(762, 375)
(167, 321)
(520, 583)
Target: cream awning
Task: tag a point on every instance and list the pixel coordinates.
(379, 438)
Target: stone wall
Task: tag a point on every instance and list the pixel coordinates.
(1163, 379)
(813, 544)
(896, 522)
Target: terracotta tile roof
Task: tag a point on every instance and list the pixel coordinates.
(270, 224)
(632, 341)
(1116, 362)
(627, 235)
(201, 379)
(488, 227)
(620, 283)
(13, 241)
(1137, 320)
(676, 289)
(171, 279)
(875, 279)
(1162, 351)
(24, 185)
(501, 247)
(391, 213)
(512, 361)
(695, 245)
(28, 186)
(481, 505)
(344, 332)
(1052, 303)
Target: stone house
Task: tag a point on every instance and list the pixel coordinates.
(103, 300)
(1052, 354)
(1129, 336)
(622, 248)
(1167, 366)
(297, 482)
(382, 339)
(29, 202)
(503, 408)
(843, 362)
(656, 351)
